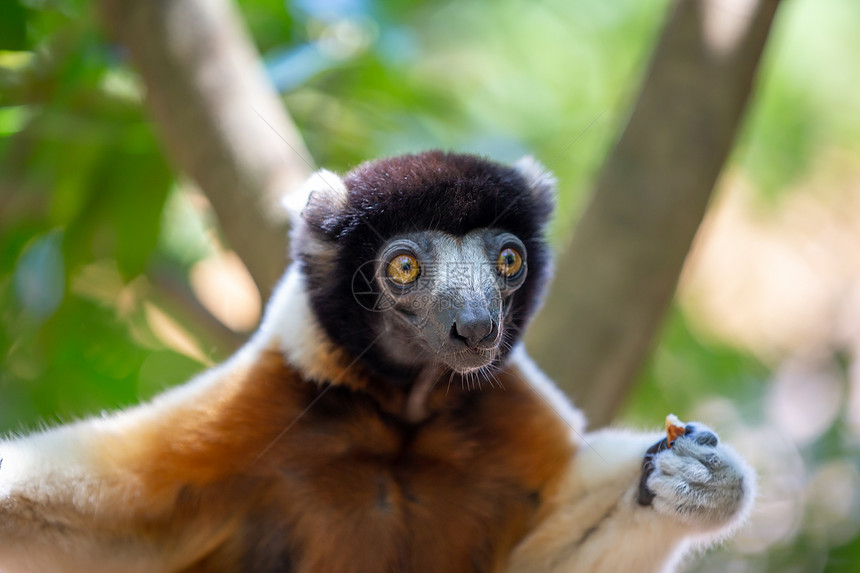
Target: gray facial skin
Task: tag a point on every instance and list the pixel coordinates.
(453, 314)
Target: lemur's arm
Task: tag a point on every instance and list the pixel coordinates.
(597, 524)
(65, 506)
(62, 504)
(106, 494)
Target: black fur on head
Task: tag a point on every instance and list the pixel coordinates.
(345, 223)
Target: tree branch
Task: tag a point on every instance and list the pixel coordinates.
(220, 119)
(179, 299)
(617, 277)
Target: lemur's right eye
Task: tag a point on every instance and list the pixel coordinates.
(403, 269)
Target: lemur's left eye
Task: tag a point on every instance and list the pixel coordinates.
(509, 263)
(403, 269)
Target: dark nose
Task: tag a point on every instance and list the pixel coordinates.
(475, 328)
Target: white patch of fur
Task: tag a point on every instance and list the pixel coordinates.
(324, 182)
(540, 180)
(322, 194)
(290, 323)
(609, 453)
(59, 455)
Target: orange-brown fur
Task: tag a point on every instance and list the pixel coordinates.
(347, 486)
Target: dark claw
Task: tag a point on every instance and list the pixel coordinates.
(646, 496)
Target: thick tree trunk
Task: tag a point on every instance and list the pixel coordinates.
(615, 280)
(219, 117)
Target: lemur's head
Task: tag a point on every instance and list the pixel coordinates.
(430, 260)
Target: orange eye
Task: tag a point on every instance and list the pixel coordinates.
(509, 262)
(403, 269)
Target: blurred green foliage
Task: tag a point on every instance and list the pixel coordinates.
(91, 213)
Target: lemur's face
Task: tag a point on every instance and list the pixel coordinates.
(434, 260)
(446, 300)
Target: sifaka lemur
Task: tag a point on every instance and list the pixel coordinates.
(385, 417)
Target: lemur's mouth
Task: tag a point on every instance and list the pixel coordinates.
(469, 359)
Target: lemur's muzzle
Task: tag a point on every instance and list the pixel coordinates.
(475, 327)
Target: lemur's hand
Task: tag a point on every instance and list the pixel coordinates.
(697, 481)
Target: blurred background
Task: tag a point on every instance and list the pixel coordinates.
(116, 281)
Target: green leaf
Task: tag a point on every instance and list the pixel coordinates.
(13, 25)
(138, 185)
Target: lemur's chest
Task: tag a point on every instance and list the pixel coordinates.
(307, 479)
(359, 491)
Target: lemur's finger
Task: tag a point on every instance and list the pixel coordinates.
(702, 435)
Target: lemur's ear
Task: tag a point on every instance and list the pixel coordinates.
(541, 181)
(321, 197)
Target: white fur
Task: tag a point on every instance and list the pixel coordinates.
(324, 182)
(538, 178)
(324, 191)
(291, 326)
